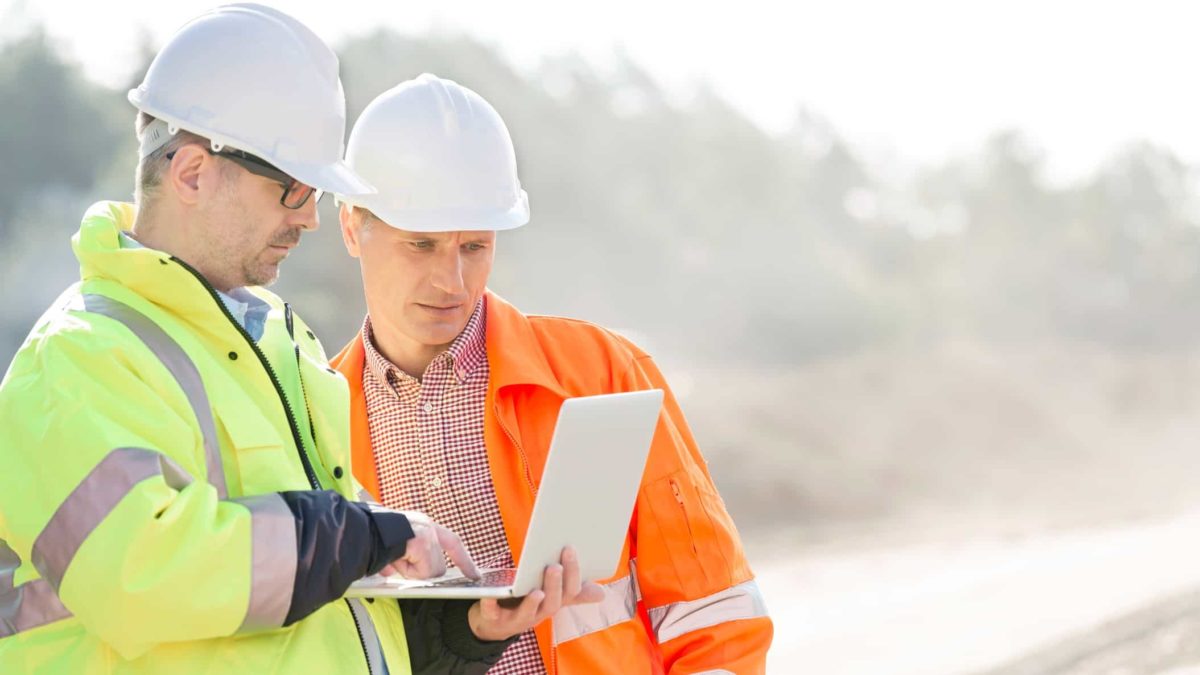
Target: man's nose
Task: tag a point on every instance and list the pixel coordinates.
(447, 273)
(307, 218)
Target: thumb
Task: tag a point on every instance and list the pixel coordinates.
(590, 592)
(489, 608)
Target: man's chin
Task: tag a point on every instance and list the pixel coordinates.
(440, 334)
(263, 276)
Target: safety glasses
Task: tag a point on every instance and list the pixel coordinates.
(295, 193)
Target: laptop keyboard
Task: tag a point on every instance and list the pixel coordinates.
(489, 579)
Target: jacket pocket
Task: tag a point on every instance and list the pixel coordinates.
(690, 534)
(256, 458)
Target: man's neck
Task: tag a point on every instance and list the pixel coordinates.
(149, 231)
(410, 357)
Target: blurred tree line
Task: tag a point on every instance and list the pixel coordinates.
(815, 303)
(680, 222)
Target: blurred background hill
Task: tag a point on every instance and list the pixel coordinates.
(967, 346)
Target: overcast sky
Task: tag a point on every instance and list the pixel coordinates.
(914, 80)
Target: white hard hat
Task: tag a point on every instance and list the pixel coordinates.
(255, 79)
(441, 157)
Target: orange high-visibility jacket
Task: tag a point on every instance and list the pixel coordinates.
(684, 599)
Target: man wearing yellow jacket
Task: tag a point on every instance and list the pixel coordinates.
(175, 482)
(454, 397)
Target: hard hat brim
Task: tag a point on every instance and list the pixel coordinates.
(443, 220)
(335, 177)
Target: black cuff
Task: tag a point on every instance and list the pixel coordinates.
(391, 532)
(461, 640)
(440, 639)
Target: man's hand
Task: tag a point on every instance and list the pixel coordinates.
(561, 587)
(425, 556)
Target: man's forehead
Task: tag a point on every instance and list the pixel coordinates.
(456, 235)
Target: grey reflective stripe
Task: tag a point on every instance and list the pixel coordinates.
(273, 561)
(619, 604)
(364, 496)
(29, 605)
(366, 627)
(743, 601)
(35, 603)
(9, 562)
(90, 502)
(180, 366)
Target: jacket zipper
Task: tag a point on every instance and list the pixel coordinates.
(287, 313)
(520, 450)
(287, 409)
(532, 490)
(362, 638)
(686, 521)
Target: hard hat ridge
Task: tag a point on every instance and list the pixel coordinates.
(253, 78)
(441, 157)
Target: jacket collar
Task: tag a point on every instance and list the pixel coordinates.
(152, 274)
(515, 355)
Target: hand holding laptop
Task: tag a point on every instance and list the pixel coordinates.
(562, 586)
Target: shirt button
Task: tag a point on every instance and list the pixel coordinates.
(436, 482)
(428, 407)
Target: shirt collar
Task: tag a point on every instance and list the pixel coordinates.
(466, 353)
(249, 310)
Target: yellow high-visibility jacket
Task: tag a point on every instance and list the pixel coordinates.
(146, 446)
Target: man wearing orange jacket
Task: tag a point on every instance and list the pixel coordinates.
(455, 393)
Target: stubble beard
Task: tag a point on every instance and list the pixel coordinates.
(251, 266)
(259, 273)
(255, 273)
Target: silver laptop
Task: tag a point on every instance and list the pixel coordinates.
(593, 471)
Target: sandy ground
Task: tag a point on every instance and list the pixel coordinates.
(972, 606)
(1162, 638)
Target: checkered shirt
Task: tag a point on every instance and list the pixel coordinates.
(427, 437)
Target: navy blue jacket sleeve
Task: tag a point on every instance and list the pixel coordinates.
(339, 542)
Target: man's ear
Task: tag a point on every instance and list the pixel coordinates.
(351, 224)
(186, 173)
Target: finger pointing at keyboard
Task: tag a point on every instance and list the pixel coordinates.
(425, 555)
